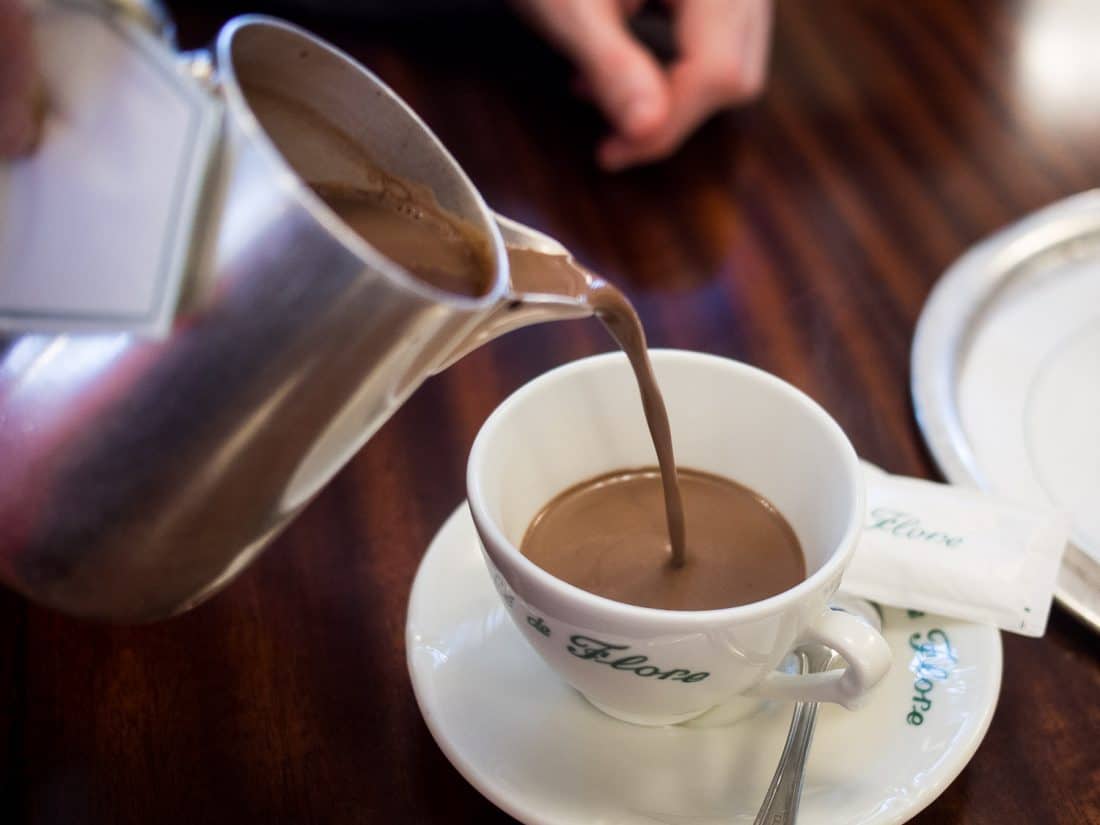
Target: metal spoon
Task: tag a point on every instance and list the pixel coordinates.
(785, 791)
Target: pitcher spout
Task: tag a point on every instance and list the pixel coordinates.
(545, 284)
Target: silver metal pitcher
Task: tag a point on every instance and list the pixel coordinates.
(137, 475)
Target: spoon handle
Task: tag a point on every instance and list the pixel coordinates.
(781, 802)
(784, 793)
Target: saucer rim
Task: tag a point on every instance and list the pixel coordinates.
(465, 767)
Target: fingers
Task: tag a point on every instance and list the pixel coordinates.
(623, 77)
(688, 108)
(726, 43)
(18, 89)
(724, 50)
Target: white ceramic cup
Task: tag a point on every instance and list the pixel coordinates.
(652, 666)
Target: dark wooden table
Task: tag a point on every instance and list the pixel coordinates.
(801, 235)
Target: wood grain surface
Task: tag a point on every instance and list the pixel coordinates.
(801, 234)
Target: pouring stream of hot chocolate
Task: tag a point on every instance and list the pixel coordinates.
(536, 273)
(403, 221)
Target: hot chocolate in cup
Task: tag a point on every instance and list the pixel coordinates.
(655, 666)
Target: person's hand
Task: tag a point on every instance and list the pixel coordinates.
(19, 117)
(722, 61)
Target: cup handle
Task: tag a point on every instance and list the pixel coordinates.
(867, 655)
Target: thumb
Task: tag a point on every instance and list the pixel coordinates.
(625, 80)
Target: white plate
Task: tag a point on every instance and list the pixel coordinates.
(537, 750)
(1006, 376)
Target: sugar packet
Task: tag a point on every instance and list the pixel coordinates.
(958, 552)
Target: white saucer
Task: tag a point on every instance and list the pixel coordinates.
(540, 752)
